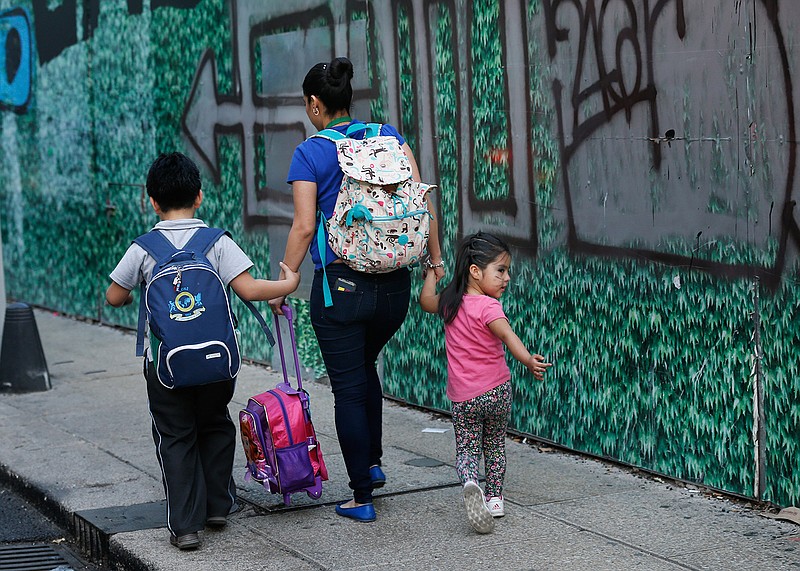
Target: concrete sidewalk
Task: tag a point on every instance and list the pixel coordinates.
(85, 447)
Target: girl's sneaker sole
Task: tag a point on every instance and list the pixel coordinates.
(478, 514)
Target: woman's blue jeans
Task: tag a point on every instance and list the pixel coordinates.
(367, 311)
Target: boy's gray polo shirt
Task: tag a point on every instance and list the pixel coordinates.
(136, 266)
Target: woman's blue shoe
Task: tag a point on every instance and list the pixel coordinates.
(377, 476)
(363, 513)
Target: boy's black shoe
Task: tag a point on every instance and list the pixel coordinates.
(185, 542)
(217, 521)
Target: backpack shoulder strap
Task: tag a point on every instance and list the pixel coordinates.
(321, 246)
(260, 318)
(372, 129)
(160, 248)
(204, 239)
(156, 244)
(330, 134)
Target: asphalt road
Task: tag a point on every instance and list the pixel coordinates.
(27, 534)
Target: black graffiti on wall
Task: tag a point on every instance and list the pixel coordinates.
(57, 27)
(621, 89)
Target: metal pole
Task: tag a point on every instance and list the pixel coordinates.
(759, 431)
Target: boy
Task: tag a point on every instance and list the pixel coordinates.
(195, 437)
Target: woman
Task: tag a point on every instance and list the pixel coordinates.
(368, 309)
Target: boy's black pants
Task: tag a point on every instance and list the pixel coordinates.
(195, 441)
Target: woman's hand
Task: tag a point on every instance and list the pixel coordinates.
(276, 304)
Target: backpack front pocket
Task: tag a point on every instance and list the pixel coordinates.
(180, 365)
(295, 471)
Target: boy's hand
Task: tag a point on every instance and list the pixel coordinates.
(290, 276)
(537, 366)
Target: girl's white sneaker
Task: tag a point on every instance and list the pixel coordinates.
(478, 514)
(496, 506)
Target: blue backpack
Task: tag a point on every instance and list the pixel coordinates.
(187, 307)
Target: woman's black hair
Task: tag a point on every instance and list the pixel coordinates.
(480, 249)
(330, 83)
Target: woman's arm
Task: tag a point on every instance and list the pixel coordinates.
(304, 194)
(414, 168)
(434, 248)
(304, 223)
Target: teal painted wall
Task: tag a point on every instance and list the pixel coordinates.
(639, 156)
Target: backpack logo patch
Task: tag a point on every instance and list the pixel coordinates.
(186, 306)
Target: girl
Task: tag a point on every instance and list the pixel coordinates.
(478, 378)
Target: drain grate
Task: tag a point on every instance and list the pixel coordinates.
(30, 558)
(93, 528)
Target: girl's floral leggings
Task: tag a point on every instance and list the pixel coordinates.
(480, 426)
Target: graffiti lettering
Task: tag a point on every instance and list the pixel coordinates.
(620, 60)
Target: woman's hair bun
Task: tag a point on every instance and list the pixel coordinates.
(330, 82)
(339, 68)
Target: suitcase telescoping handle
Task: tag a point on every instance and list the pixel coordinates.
(286, 386)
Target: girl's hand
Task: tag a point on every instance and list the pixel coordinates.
(437, 268)
(537, 366)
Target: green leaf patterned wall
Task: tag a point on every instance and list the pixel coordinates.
(635, 273)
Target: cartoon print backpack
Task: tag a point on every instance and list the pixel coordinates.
(380, 222)
(187, 308)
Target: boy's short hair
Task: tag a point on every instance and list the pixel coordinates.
(173, 181)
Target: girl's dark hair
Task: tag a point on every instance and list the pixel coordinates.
(480, 249)
(330, 82)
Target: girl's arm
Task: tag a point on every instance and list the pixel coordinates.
(428, 298)
(535, 363)
(251, 289)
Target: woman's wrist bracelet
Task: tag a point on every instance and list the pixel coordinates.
(429, 264)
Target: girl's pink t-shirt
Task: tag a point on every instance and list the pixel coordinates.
(476, 360)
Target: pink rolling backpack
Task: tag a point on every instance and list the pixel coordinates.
(278, 437)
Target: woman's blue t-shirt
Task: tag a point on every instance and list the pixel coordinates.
(315, 160)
